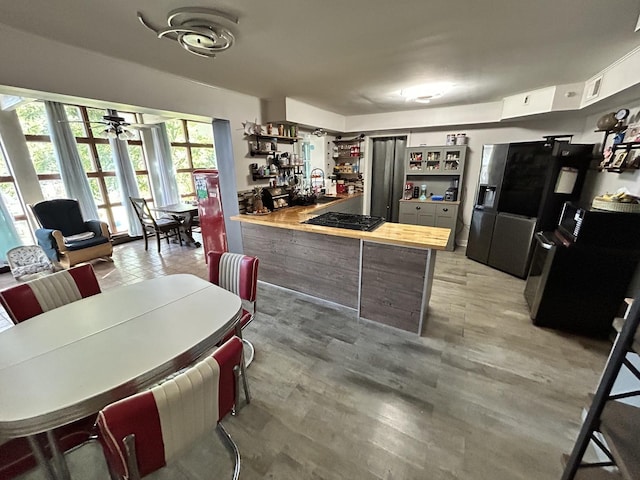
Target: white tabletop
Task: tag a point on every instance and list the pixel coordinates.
(74, 360)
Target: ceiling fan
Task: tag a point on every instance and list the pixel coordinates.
(116, 127)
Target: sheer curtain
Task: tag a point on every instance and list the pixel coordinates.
(126, 181)
(73, 176)
(9, 237)
(164, 185)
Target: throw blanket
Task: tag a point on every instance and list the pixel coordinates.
(80, 236)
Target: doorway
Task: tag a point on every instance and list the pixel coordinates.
(387, 176)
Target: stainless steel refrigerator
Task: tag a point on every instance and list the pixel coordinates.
(387, 176)
(521, 190)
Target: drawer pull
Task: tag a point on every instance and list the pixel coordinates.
(417, 208)
(445, 209)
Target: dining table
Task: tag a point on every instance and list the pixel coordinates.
(185, 212)
(72, 361)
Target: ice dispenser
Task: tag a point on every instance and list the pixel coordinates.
(486, 196)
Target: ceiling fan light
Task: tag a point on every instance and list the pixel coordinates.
(110, 132)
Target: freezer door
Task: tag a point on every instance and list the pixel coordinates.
(512, 243)
(480, 234)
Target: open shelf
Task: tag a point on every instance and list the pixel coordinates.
(620, 424)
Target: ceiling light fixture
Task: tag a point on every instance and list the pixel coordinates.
(196, 33)
(118, 132)
(426, 93)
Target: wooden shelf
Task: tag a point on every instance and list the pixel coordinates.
(262, 177)
(280, 138)
(253, 153)
(620, 424)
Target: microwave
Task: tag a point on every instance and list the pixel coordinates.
(587, 226)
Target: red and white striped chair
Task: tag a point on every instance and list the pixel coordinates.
(142, 433)
(238, 274)
(21, 303)
(46, 293)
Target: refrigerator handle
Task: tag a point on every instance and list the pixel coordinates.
(544, 242)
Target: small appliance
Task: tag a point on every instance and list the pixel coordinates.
(451, 194)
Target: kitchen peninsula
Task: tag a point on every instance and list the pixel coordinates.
(385, 274)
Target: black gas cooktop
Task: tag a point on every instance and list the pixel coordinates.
(351, 221)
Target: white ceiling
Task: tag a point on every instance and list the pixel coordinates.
(353, 56)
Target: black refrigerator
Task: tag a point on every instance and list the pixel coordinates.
(521, 190)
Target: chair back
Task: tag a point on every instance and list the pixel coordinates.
(143, 212)
(167, 419)
(234, 272)
(46, 293)
(62, 214)
(28, 260)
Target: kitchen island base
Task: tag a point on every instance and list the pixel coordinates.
(389, 284)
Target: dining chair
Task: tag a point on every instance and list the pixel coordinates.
(28, 261)
(46, 293)
(21, 303)
(143, 433)
(238, 274)
(160, 227)
(16, 456)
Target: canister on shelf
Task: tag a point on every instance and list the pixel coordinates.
(451, 139)
(461, 139)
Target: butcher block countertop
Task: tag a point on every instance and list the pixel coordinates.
(390, 233)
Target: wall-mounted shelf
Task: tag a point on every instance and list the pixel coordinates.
(624, 156)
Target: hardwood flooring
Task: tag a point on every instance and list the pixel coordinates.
(482, 395)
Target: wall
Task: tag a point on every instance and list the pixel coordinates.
(606, 182)
(480, 135)
(64, 73)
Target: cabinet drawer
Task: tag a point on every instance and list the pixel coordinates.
(446, 211)
(406, 207)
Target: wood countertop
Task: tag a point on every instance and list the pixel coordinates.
(390, 233)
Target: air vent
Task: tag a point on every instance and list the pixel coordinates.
(593, 87)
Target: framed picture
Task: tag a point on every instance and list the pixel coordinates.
(633, 133)
(633, 159)
(618, 159)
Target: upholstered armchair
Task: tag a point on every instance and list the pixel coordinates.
(66, 237)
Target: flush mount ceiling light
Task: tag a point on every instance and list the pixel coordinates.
(426, 93)
(197, 30)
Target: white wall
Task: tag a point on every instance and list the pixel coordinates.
(480, 135)
(598, 183)
(61, 72)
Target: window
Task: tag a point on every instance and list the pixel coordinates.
(12, 201)
(191, 148)
(95, 155)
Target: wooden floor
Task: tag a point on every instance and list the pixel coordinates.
(483, 395)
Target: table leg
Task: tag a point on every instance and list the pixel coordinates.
(58, 457)
(44, 464)
(187, 224)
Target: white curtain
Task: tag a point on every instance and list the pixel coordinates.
(126, 181)
(8, 234)
(164, 185)
(75, 180)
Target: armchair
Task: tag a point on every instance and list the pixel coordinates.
(66, 237)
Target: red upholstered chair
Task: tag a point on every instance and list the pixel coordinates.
(142, 433)
(21, 303)
(238, 274)
(17, 458)
(46, 293)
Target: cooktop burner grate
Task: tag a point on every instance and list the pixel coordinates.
(351, 221)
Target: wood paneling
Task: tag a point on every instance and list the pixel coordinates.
(390, 233)
(324, 266)
(392, 285)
